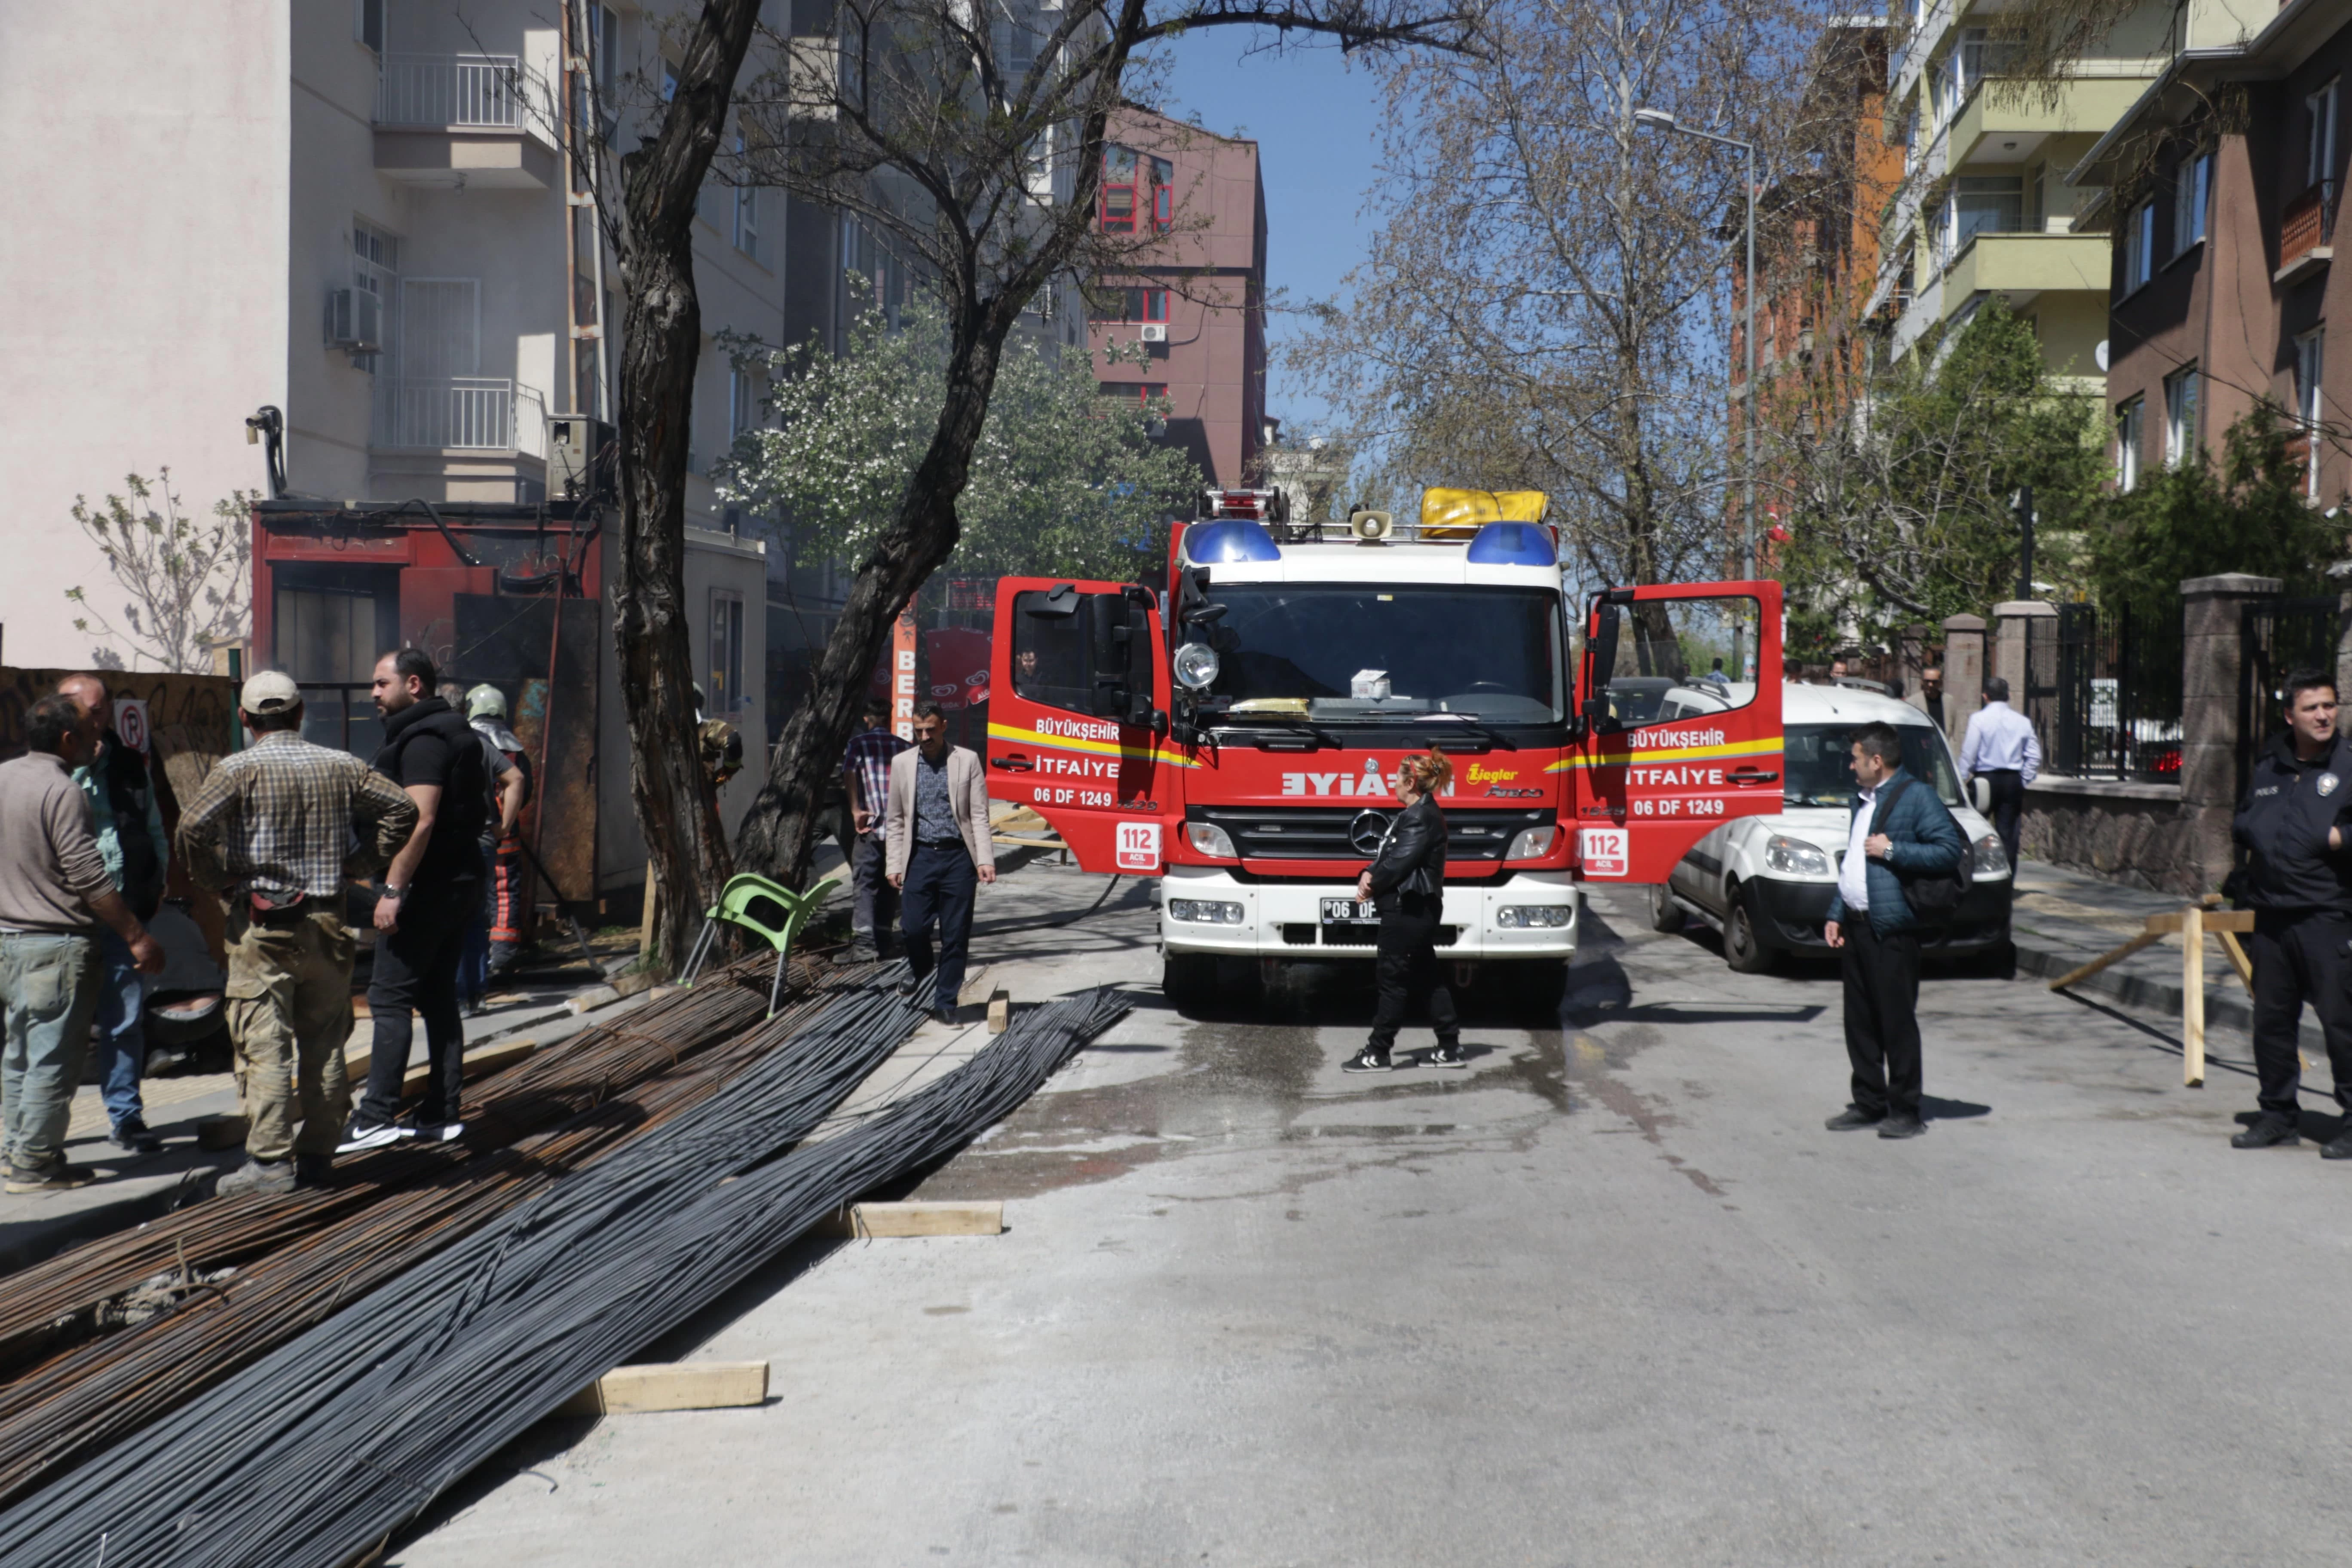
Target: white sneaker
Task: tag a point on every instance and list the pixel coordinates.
(361, 1137)
(439, 1131)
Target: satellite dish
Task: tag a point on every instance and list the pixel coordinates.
(2100, 353)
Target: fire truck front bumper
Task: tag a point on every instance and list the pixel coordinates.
(1533, 915)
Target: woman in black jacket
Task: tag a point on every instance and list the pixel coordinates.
(1406, 883)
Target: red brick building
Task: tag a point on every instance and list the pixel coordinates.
(1194, 293)
(2221, 186)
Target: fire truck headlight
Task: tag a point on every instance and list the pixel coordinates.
(1531, 843)
(1208, 839)
(1196, 666)
(1522, 917)
(1201, 911)
(1794, 856)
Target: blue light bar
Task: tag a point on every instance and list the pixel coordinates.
(1229, 539)
(1514, 544)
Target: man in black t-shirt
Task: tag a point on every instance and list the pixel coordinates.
(429, 894)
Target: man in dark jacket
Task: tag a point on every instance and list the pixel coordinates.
(2299, 881)
(1901, 832)
(434, 886)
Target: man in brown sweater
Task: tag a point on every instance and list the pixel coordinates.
(54, 891)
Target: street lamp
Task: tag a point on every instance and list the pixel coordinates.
(1659, 118)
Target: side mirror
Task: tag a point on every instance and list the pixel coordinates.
(1600, 664)
(1981, 795)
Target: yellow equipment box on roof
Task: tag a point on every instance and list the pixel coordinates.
(1458, 515)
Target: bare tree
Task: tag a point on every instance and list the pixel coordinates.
(184, 578)
(1546, 305)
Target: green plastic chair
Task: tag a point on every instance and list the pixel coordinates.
(768, 909)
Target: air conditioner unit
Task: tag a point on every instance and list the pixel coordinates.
(1154, 332)
(354, 320)
(579, 457)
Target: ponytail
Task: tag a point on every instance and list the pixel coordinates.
(1432, 771)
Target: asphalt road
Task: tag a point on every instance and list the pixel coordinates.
(1613, 1296)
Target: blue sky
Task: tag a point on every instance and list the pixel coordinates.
(1316, 124)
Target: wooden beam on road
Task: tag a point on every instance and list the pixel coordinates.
(671, 1386)
(2192, 997)
(919, 1219)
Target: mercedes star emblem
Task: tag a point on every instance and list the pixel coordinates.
(1367, 831)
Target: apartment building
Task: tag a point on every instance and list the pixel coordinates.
(1196, 295)
(1985, 207)
(2221, 183)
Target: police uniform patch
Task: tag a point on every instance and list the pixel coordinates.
(2327, 782)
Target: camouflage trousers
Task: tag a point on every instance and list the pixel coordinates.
(290, 1012)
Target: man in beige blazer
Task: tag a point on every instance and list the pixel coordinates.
(934, 818)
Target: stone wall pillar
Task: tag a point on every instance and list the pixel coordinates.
(2210, 677)
(1911, 663)
(1964, 673)
(2008, 655)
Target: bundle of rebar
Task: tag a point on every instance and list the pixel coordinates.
(97, 1392)
(320, 1450)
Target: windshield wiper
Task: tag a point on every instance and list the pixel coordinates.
(1274, 721)
(1472, 720)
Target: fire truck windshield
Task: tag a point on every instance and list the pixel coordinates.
(1371, 651)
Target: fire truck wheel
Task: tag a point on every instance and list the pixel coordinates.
(1187, 980)
(1665, 915)
(1743, 947)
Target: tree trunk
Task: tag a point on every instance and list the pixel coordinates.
(780, 829)
(678, 808)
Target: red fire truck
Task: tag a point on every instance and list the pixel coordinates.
(1231, 731)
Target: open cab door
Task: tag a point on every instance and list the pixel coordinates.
(1681, 701)
(1077, 707)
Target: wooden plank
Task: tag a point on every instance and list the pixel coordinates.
(2145, 939)
(2211, 919)
(921, 1219)
(1000, 1011)
(2236, 954)
(671, 1386)
(2192, 997)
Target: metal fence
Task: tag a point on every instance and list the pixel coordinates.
(2277, 637)
(450, 89)
(2104, 693)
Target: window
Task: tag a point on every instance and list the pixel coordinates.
(2140, 246)
(2319, 147)
(670, 80)
(743, 398)
(375, 269)
(2180, 419)
(1142, 393)
(725, 692)
(1117, 304)
(606, 53)
(2309, 364)
(2193, 195)
(1986, 203)
(2037, 204)
(2129, 419)
(747, 209)
(367, 23)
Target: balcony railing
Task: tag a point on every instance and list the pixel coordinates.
(2308, 222)
(450, 89)
(463, 413)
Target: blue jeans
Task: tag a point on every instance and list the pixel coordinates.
(121, 1043)
(49, 992)
(941, 884)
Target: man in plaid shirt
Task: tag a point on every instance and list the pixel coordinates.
(272, 831)
(865, 774)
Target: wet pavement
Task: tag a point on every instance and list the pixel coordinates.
(1610, 1295)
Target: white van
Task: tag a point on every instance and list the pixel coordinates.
(1766, 882)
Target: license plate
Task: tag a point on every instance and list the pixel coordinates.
(1348, 912)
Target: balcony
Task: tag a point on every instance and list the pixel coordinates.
(2306, 230)
(461, 122)
(458, 414)
(2021, 265)
(2016, 111)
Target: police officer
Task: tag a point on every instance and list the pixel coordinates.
(2299, 881)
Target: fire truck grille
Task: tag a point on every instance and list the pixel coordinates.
(1350, 832)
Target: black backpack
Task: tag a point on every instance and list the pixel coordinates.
(1935, 898)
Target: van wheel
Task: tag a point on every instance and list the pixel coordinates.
(1665, 915)
(1743, 944)
(1187, 980)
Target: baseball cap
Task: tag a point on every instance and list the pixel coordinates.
(486, 701)
(269, 692)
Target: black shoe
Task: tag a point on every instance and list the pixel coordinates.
(943, 1015)
(1372, 1058)
(439, 1131)
(908, 986)
(1852, 1119)
(2269, 1132)
(2340, 1146)
(267, 1177)
(1898, 1125)
(55, 1176)
(1446, 1056)
(363, 1136)
(134, 1138)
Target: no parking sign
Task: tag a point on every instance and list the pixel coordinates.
(131, 722)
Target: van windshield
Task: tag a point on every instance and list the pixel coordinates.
(1817, 763)
(1493, 653)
